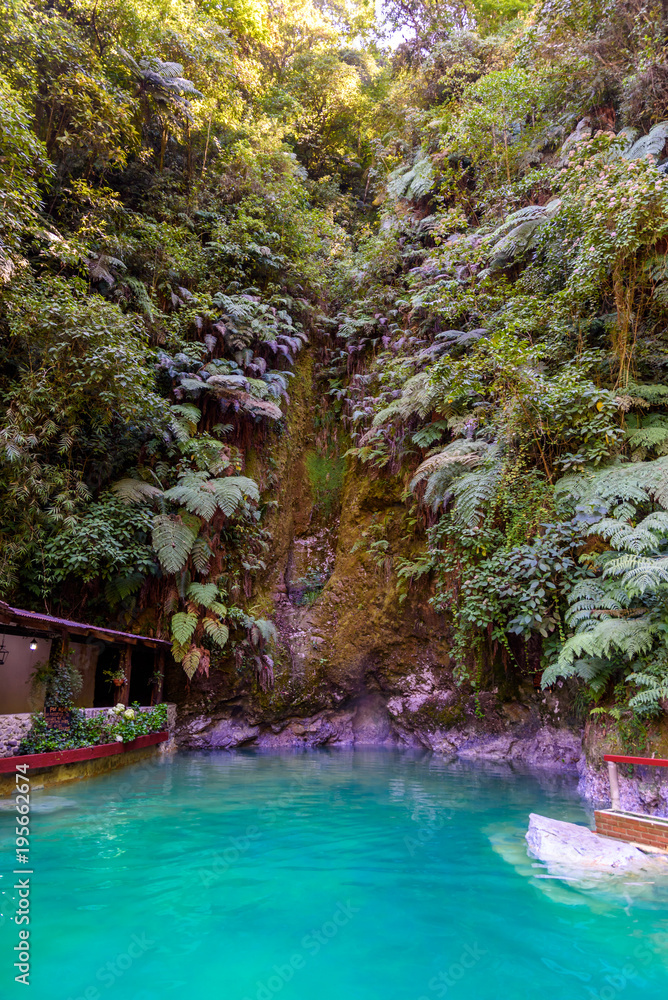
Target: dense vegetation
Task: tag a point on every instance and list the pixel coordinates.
(466, 226)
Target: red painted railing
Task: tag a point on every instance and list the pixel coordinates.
(616, 758)
(55, 757)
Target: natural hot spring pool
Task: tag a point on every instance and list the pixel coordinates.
(364, 875)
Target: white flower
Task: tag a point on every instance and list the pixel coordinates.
(119, 739)
(128, 713)
(120, 707)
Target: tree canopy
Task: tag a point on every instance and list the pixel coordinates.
(459, 211)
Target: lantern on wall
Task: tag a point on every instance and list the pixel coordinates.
(4, 652)
(33, 644)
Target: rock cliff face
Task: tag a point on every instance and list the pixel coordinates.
(362, 661)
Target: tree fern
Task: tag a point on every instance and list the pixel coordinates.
(442, 469)
(195, 492)
(185, 418)
(595, 671)
(461, 452)
(414, 181)
(201, 555)
(639, 483)
(428, 435)
(519, 233)
(640, 574)
(262, 632)
(642, 537)
(591, 597)
(201, 495)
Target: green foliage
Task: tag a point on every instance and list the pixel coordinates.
(325, 473)
(60, 679)
(86, 731)
(468, 233)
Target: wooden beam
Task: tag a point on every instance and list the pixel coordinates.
(126, 664)
(617, 758)
(159, 665)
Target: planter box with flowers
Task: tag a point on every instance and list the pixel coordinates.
(106, 734)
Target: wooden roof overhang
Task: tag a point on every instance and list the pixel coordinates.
(23, 622)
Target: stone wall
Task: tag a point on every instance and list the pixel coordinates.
(12, 730)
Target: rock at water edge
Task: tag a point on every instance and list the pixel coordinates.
(556, 842)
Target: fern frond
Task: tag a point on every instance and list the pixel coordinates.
(183, 625)
(639, 573)
(476, 491)
(652, 143)
(641, 538)
(135, 491)
(262, 631)
(201, 554)
(203, 593)
(460, 452)
(231, 492)
(653, 684)
(628, 636)
(172, 540)
(595, 671)
(419, 397)
(196, 494)
(651, 433)
(191, 661)
(203, 496)
(216, 631)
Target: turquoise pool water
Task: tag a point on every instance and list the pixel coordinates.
(364, 875)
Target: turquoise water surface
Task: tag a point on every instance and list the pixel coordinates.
(342, 875)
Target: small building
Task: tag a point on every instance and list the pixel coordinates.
(26, 638)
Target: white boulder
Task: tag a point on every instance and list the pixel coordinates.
(568, 845)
